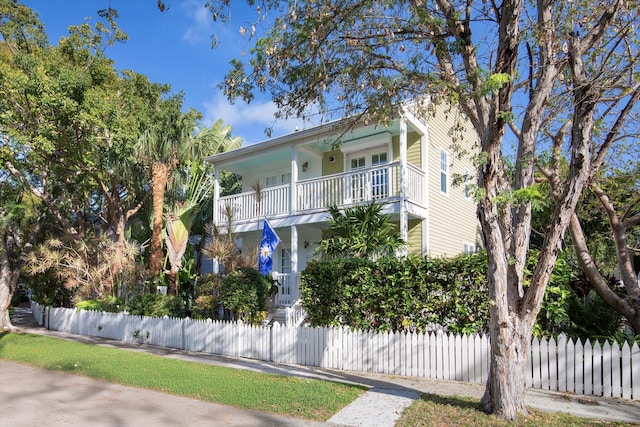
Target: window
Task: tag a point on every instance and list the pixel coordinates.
(378, 159)
(468, 248)
(379, 177)
(285, 262)
(357, 163)
(285, 268)
(444, 172)
(271, 181)
(285, 178)
(358, 182)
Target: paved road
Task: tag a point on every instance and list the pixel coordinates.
(30, 396)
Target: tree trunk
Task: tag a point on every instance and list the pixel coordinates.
(159, 175)
(630, 309)
(8, 284)
(510, 336)
(172, 289)
(504, 393)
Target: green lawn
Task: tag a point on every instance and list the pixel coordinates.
(302, 398)
(292, 396)
(435, 410)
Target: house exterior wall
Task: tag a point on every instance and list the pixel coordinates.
(452, 218)
(414, 149)
(332, 167)
(415, 237)
(261, 175)
(438, 224)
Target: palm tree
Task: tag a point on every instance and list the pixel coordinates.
(190, 203)
(361, 232)
(162, 147)
(180, 220)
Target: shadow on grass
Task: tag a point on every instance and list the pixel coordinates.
(466, 403)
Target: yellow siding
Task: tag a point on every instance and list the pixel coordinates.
(415, 237)
(414, 151)
(330, 168)
(453, 218)
(395, 148)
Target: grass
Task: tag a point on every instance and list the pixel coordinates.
(291, 396)
(296, 397)
(435, 410)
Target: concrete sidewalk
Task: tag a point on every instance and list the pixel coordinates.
(381, 405)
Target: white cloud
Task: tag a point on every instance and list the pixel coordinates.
(249, 121)
(201, 26)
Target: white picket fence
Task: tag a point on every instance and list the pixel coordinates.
(589, 369)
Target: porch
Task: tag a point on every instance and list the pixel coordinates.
(383, 183)
(287, 307)
(288, 288)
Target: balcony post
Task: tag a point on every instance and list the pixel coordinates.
(294, 248)
(216, 196)
(404, 218)
(293, 185)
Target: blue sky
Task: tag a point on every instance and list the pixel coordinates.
(174, 47)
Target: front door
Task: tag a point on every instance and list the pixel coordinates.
(370, 182)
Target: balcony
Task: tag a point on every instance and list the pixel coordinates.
(381, 184)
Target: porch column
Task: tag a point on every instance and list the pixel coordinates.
(404, 217)
(293, 202)
(294, 263)
(216, 195)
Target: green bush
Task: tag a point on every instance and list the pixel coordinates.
(156, 305)
(49, 290)
(405, 294)
(205, 307)
(186, 278)
(207, 297)
(18, 298)
(110, 304)
(244, 292)
(411, 293)
(209, 284)
(594, 319)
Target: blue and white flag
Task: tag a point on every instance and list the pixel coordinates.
(269, 242)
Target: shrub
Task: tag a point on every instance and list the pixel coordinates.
(18, 298)
(410, 294)
(245, 292)
(49, 290)
(209, 284)
(109, 304)
(205, 307)
(156, 305)
(207, 297)
(397, 294)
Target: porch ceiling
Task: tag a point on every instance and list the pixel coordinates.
(277, 152)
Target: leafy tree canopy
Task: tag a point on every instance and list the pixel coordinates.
(559, 77)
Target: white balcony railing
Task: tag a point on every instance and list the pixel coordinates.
(380, 183)
(415, 184)
(273, 201)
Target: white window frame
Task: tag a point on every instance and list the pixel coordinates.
(444, 171)
(285, 262)
(271, 181)
(468, 248)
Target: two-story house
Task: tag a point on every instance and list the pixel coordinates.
(407, 165)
